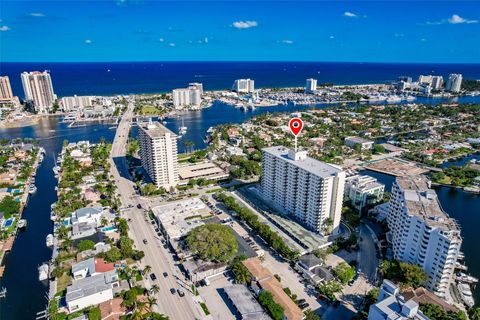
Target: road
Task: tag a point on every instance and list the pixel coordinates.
(155, 255)
(367, 254)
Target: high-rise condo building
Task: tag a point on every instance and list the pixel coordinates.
(186, 97)
(311, 86)
(74, 102)
(422, 233)
(308, 190)
(244, 86)
(435, 82)
(196, 85)
(158, 152)
(38, 88)
(454, 83)
(5, 89)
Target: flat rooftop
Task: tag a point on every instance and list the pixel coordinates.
(358, 140)
(306, 163)
(178, 218)
(155, 129)
(245, 303)
(423, 202)
(201, 170)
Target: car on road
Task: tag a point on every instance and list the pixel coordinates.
(153, 276)
(180, 293)
(165, 274)
(173, 291)
(139, 206)
(303, 305)
(145, 241)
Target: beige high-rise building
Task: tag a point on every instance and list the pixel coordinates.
(5, 89)
(158, 152)
(38, 88)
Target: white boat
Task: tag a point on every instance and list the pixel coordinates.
(49, 240)
(183, 128)
(466, 294)
(56, 169)
(43, 272)
(179, 136)
(3, 292)
(32, 189)
(463, 277)
(394, 99)
(22, 223)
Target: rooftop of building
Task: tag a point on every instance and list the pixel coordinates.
(306, 163)
(90, 285)
(245, 303)
(422, 201)
(155, 130)
(199, 170)
(423, 296)
(358, 139)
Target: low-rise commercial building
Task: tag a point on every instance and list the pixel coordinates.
(246, 305)
(203, 170)
(364, 144)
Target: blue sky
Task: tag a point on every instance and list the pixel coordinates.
(124, 30)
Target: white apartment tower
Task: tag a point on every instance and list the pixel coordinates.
(311, 86)
(308, 190)
(38, 88)
(454, 83)
(5, 89)
(185, 97)
(363, 190)
(158, 152)
(435, 82)
(77, 102)
(422, 233)
(244, 86)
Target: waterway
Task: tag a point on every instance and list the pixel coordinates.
(26, 295)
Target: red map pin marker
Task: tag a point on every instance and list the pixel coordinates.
(296, 126)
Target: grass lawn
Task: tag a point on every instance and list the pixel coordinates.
(63, 282)
(149, 110)
(204, 307)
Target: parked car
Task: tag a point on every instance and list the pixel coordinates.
(173, 291)
(180, 293)
(165, 274)
(153, 276)
(300, 301)
(145, 241)
(303, 305)
(139, 206)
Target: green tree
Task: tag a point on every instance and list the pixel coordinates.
(9, 206)
(113, 255)
(242, 275)
(94, 314)
(212, 242)
(474, 313)
(274, 309)
(85, 245)
(344, 272)
(311, 315)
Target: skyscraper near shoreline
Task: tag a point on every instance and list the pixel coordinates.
(186, 97)
(38, 89)
(454, 83)
(308, 190)
(5, 89)
(158, 152)
(311, 85)
(244, 86)
(422, 233)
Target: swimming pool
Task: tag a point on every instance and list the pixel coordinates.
(8, 222)
(108, 229)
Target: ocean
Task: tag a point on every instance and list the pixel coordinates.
(110, 78)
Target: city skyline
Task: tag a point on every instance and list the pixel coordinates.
(259, 31)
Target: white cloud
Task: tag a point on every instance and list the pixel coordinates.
(331, 37)
(245, 24)
(287, 41)
(161, 40)
(399, 35)
(205, 40)
(423, 40)
(456, 19)
(171, 44)
(36, 14)
(4, 28)
(88, 41)
(349, 14)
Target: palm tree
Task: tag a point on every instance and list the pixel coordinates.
(155, 289)
(147, 270)
(151, 301)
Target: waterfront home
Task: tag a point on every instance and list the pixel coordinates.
(99, 248)
(90, 267)
(363, 143)
(88, 215)
(90, 291)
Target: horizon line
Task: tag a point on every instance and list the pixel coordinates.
(240, 61)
